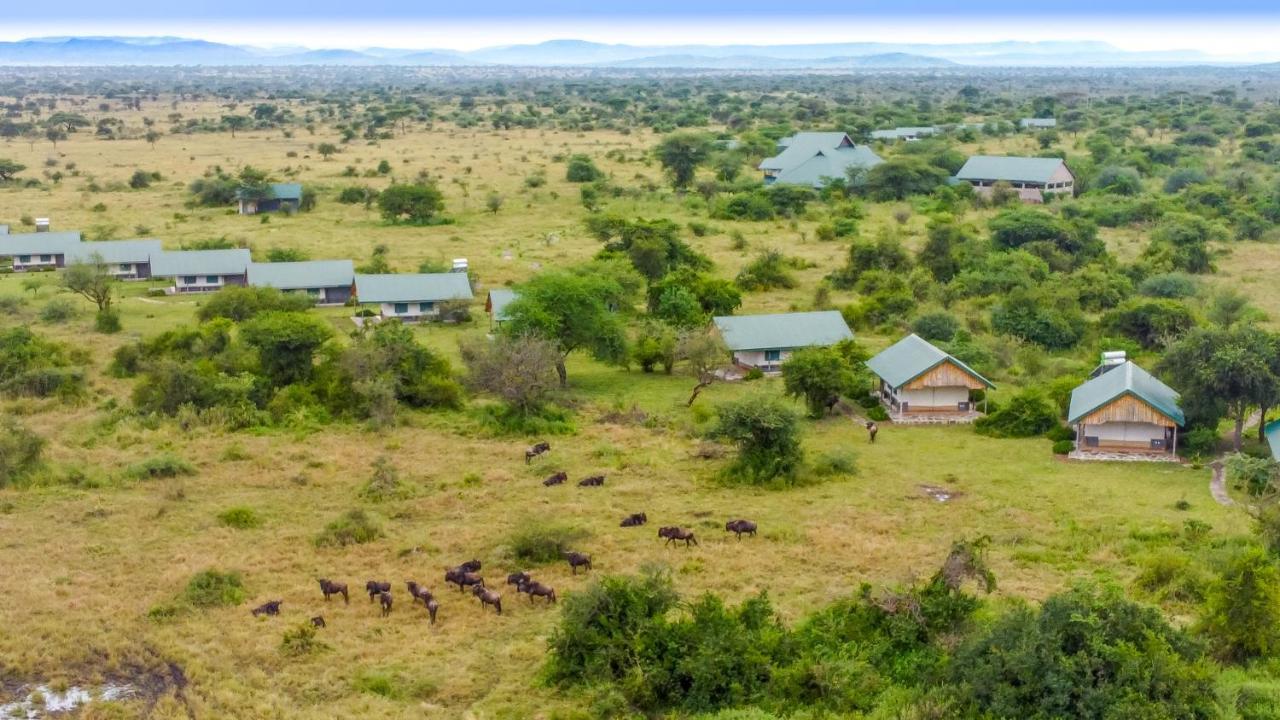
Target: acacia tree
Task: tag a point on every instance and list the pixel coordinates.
(701, 353)
(817, 375)
(572, 310)
(9, 168)
(1225, 371)
(235, 122)
(518, 369)
(767, 434)
(681, 154)
(286, 343)
(415, 204)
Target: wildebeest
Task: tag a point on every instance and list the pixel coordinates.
(470, 566)
(533, 587)
(577, 560)
(328, 587)
(271, 607)
(418, 592)
(384, 599)
(556, 479)
(317, 621)
(432, 608)
(488, 597)
(635, 520)
(872, 429)
(374, 587)
(462, 578)
(831, 402)
(741, 526)
(516, 578)
(535, 451)
(593, 481)
(673, 534)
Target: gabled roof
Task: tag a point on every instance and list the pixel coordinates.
(1122, 380)
(782, 330)
(1038, 122)
(901, 132)
(283, 191)
(1013, 169)
(114, 251)
(302, 275)
(173, 263)
(911, 357)
(413, 287)
(37, 243)
(802, 146)
(499, 299)
(828, 164)
(1272, 433)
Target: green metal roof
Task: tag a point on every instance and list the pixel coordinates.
(173, 263)
(807, 158)
(302, 275)
(414, 287)
(1272, 433)
(911, 357)
(1012, 169)
(499, 299)
(37, 243)
(283, 191)
(1038, 122)
(1119, 381)
(783, 330)
(902, 132)
(114, 251)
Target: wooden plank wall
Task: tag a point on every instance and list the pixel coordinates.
(948, 374)
(1127, 409)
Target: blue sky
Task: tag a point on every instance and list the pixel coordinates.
(1222, 28)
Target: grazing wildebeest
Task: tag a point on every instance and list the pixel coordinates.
(488, 597)
(384, 599)
(673, 534)
(317, 621)
(577, 560)
(418, 592)
(593, 481)
(556, 479)
(831, 403)
(516, 578)
(535, 451)
(872, 429)
(432, 608)
(533, 587)
(635, 520)
(740, 527)
(373, 587)
(328, 587)
(470, 566)
(271, 607)
(462, 578)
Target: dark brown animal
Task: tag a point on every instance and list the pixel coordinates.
(872, 429)
(462, 578)
(831, 402)
(535, 451)
(533, 587)
(317, 621)
(328, 587)
(577, 560)
(516, 578)
(488, 597)
(740, 527)
(418, 592)
(384, 599)
(470, 566)
(374, 588)
(432, 608)
(673, 534)
(635, 520)
(271, 607)
(556, 479)
(593, 481)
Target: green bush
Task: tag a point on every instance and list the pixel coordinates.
(767, 434)
(301, 640)
(160, 466)
(538, 544)
(1171, 576)
(385, 483)
(1241, 617)
(355, 527)
(107, 321)
(214, 588)
(877, 413)
(1063, 447)
(394, 685)
(936, 326)
(1199, 442)
(240, 517)
(1027, 414)
(836, 462)
(20, 451)
(58, 310)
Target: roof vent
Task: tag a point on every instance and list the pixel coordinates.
(459, 265)
(42, 224)
(1111, 358)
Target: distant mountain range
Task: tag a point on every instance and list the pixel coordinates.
(581, 53)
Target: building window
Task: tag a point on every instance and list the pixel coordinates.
(426, 306)
(401, 308)
(45, 258)
(24, 258)
(188, 279)
(211, 279)
(772, 355)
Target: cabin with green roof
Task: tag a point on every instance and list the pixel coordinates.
(197, 271)
(327, 282)
(124, 259)
(811, 158)
(1123, 409)
(1032, 177)
(283, 196)
(765, 342)
(37, 250)
(919, 382)
(496, 304)
(411, 297)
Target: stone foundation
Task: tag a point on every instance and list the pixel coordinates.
(1123, 456)
(940, 419)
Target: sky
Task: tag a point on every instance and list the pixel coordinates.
(1222, 28)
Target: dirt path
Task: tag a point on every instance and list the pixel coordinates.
(1218, 485)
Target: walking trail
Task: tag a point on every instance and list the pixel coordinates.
(1218, 485)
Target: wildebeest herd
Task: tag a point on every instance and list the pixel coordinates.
(467, 574)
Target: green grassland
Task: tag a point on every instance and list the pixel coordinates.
(86, 563)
